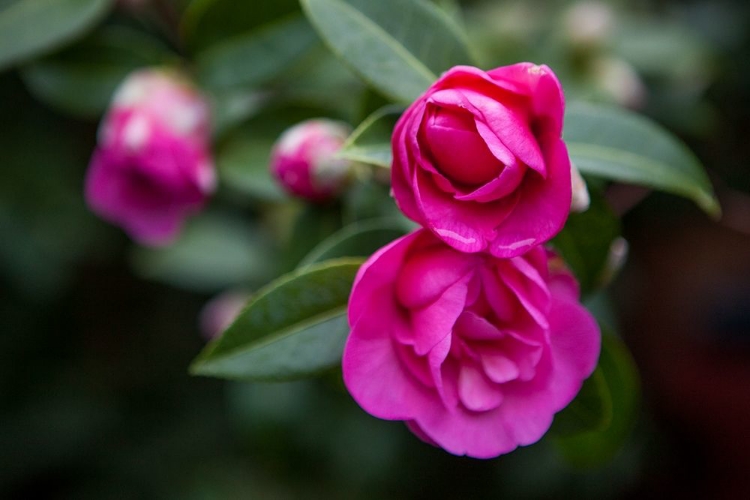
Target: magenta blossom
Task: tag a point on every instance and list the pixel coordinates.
(475, 353)
(478, 159)
(303, 159)
(152, 167)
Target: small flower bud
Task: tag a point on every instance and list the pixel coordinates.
(580, 200)
(618, 254)
(303, 160)
(221, 311)
(588, 24)
(620, 80)
(152, 166)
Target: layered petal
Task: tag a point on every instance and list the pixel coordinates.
(475, 353)
(478, 159)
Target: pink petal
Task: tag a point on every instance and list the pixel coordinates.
(430, 324)
(378, 274)
(575, 343)
(466, 226)
(542, 209)
(508, 126)
(444, 373)
(499, 368)
(429, 273)
(457, 150)
(374, 374)
(541, 84)
(477, 393)
(471, 326)
(504, 304)
(503, 185)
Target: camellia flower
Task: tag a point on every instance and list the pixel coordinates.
(475, 353)
(478, 159)
(152, 167)
(304, 162)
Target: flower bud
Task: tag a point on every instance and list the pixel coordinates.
(580, 200)
(221, 311)
(304, 162)
(620, 81)
(616, 258)
(588, 24)
(152, 166)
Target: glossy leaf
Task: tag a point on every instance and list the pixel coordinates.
(257, 56)
(397, 46)
(313, 225)
(619, 145)
(591, 409)
(370, 142)
(82, 79)
(209, 22)
(360, 239)
(598, 445)
(585, 241)
(242, 164)
(215, 251)
(29, 28)
(371, 199)
(294, 327)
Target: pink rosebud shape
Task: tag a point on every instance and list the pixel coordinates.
(475, 353)
(152, 167)
(478, 159)
(303, 159)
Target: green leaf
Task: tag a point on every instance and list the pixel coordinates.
(313, 225)
(585, 241)
(371, 199)
(29, 28)
(242, 163)
(370, 142)
(591, 410)
(294, 327)
(598, 445)
(215, 251)
(397, 46)
(360, 239)
(257, 56)
(620, 145)
(82, 79)
(664, 48)
(208, 22)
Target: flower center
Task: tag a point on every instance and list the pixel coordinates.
(457, 149)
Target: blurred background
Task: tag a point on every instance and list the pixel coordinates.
(96, 334)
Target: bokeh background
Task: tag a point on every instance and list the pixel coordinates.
(96, 334)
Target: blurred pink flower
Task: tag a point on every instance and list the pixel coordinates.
(303, 159)
(478, 159)
(221, 311)
(475, 353)
(152, 167)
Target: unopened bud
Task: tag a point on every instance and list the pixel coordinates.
(221, 311)
(620, 80)
(304, 160)
(618, 254)
(580, 200)
(152, 167)
(588, 24)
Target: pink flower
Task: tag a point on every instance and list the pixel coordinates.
(303, 159)
(474, 352)
(478, 159)
(152, 167)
